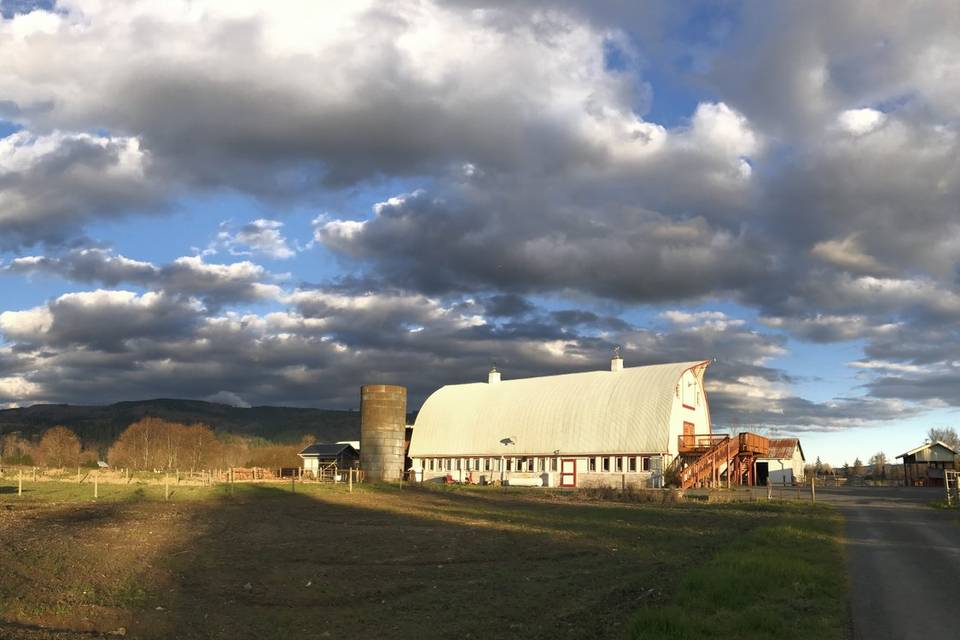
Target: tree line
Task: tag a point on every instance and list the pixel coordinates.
(152, 444)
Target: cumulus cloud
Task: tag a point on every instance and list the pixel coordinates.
(530, 93)
(189, 276)
(50, 184)
(846, 254)
(473, 241)
(314, 351)
(814, 183)
(860, 121)
(261, 236)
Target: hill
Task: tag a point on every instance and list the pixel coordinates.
(103, 423)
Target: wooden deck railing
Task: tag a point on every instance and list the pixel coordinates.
(752, 443)
(694, 443)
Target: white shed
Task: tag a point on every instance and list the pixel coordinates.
(783, 464)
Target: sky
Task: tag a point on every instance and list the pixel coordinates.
(276, 204)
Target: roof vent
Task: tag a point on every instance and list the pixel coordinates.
(494, 376)
(616, 363)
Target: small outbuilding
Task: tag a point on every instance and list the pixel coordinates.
(925, 465)
(783, 464)
(323, 455)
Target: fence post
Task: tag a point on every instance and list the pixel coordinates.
(166, 487)
(350, 481)
(20, 484)
(293, 484)
(78, 475)
(769, 490)
(96, 486)
(813, 488)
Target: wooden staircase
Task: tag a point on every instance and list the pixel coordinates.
(714, 457)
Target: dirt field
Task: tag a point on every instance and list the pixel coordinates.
(384, 563)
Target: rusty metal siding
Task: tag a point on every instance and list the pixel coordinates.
(383, 418)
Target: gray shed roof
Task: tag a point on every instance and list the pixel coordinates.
(323, 450)
(928, 445)
(590, 412)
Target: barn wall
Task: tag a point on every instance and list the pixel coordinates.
(798, 471)
(548, 477)
(689, 405)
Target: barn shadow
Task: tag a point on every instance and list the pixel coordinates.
(383, 563)
(390, 564)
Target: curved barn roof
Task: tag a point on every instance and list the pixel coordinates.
(593, 412)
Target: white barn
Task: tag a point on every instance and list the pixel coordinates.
(616, 428)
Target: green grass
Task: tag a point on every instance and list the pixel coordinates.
(782, 580)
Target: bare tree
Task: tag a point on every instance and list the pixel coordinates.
(152, 443)
(879, 463)
(946, 435)
(857, 468)
(58, 447)
(16, 450)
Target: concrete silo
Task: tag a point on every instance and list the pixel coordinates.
(383, 421)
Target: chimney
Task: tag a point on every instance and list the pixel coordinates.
(494, 376)
(616, 363)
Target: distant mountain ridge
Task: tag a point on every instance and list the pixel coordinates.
(103, 423)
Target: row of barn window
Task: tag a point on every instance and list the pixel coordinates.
(612, 464)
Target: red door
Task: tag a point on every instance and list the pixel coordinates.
(568, 473)
(689, 439)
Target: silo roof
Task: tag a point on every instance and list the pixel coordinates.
(624, 411)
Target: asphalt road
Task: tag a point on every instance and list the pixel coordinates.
(904, 562)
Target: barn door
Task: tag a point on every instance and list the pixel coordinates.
(689, 438)
(568, 473)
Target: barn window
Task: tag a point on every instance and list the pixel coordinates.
(593, 464)
(486, 464)
(633, 463)
(509, 464)
(619, 463)
(646, 463)
(553, 464)
(606, 464)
